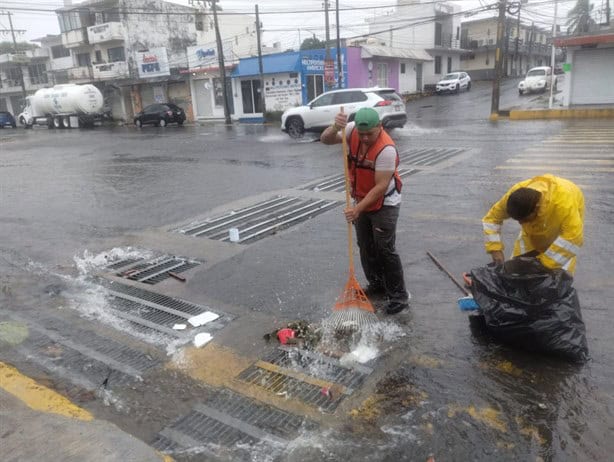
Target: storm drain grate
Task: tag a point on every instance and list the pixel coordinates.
(67, 338)
(320, 366)
(429, 156)
(158, 313)
(121, 263)
(287, 383)
(154, 271)
(336, 183)
(260, 220)
(227, 420)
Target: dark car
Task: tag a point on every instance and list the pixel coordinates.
(160, 114)
(6, 118)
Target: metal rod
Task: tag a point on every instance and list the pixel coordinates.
(442, 268)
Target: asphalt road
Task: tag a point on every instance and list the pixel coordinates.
(69, 197)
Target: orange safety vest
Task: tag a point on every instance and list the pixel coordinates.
(362, 170)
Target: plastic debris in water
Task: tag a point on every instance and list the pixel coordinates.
(202, 339)
(179, 326)
(327, 392)
(203, 318)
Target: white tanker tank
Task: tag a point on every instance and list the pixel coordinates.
(63, 106)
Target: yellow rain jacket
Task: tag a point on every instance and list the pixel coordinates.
(557, 230)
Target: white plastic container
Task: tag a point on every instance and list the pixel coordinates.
(233, 234)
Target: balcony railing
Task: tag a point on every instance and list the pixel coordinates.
(74, 38)
(79, 73)
(114, 70)
(105, 32)
(523, 47)
(447, 41)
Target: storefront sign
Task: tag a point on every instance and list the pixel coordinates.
(200, 56)
(153, 63)
(282, 91)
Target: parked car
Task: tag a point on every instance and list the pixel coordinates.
(7, 119)
(453, 82)
(538, 79)
(160, 114)
(321, 111)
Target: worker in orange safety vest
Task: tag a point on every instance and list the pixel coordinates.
(550, 211)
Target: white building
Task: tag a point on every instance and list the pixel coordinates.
(238, 35)
(133, 50)
(423, 25)
(33, 65)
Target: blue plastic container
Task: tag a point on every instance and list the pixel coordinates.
(467, 304)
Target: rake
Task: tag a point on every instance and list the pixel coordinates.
(353, 310)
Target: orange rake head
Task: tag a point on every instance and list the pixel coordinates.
(353, 297)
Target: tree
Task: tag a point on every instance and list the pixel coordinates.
(8, 47)
(579, 19)
(312, 43)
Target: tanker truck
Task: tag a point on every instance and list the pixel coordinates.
(63, 106)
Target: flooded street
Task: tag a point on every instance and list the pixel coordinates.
(75, 202)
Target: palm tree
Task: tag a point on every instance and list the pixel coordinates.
(579, 18)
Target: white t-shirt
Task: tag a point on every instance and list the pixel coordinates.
(386, 161)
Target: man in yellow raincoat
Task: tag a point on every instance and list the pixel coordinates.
(550, 211)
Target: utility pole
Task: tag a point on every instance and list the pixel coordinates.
(220, 55)
(496, 84)
(530, 51)
(553, 57)
(339, 63)
(327, 45)
(19, 67)
(260, 68)
(516, 55)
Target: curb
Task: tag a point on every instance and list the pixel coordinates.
(604, 113)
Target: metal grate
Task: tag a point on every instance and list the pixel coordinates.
(228, 419)
(125, 262)
(429, 156)
(320, 366)
(261, 220)
(154, 271)
(152, 312)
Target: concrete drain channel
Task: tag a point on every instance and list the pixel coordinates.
(425, 157)
(259, 220)
(227, 420)
(152, 271)
(154, 313)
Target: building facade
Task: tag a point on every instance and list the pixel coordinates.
(524, 46)
(133, 50)
(439, 36)
(31, 67)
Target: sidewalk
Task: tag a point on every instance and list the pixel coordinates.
(37, 423)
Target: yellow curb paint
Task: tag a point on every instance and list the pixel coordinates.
(562, 114)
(38, 397)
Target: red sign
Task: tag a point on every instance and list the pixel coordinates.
(329, 71)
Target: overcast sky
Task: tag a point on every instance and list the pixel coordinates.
(289, 23)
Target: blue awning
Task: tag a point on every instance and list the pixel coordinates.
(271, 64)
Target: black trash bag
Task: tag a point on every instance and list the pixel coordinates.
(530, 306)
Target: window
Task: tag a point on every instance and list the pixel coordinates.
(199, 23)
(218, 91)
(111, 15)
(38, 73)
(402, 68)
(437, 64)
(116, 54)
(438, 34)
(382, 74)
(315, 85)
(83, 59)
(346, 97)
(98, 58)
(324, 100)
(59, 51)
(449, 64)
(13, 75)
(250, 95)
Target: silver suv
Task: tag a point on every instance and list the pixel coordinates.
(320, 113)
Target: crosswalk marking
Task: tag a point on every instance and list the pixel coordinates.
(556, 168)
(562, 161)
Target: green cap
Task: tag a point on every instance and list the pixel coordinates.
(366, 119)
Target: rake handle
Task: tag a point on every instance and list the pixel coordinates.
(442, 268)
(346, 172)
